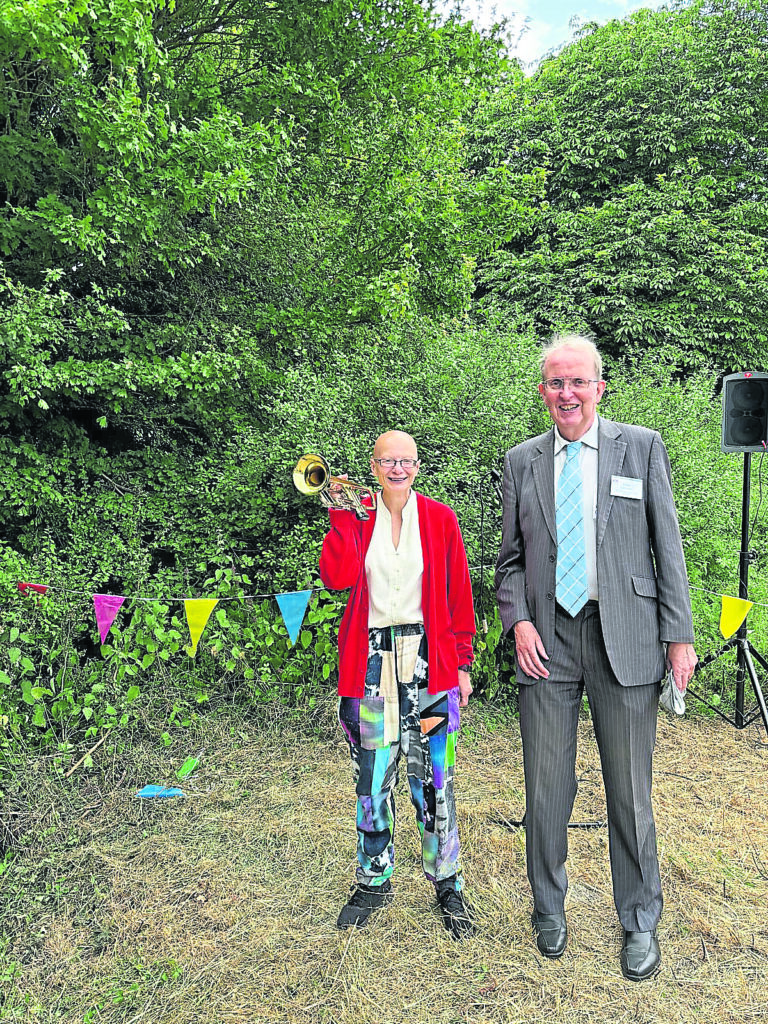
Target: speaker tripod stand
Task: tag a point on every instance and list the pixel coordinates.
(746, 655)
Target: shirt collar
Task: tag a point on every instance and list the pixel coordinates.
(409, 508)
(589, 439)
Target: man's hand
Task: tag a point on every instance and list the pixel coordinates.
(465, 688)
(681, 658)
(530, 650)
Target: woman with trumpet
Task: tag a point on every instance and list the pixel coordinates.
(405, 653)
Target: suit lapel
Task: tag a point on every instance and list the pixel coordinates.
(611, 452)
(544, 481)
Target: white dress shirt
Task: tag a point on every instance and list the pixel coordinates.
(588, 466)
(395, 574)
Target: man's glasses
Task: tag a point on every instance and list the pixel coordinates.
(558, 383)
(391, 463)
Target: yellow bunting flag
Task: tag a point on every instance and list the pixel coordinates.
(198, 612)
(733, 613)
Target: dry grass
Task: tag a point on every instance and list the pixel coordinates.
(221, 907)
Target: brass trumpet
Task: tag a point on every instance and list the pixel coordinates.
(312, 475)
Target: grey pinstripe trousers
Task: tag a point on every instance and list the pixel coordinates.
(624, 719)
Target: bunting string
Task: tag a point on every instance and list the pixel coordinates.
(702, 590)
(714, 593)
(41, 588)
(293, 606)
(198, 610)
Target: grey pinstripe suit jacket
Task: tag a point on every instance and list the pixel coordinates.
(644, 596)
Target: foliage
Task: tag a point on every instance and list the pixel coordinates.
(707, 485)
(463, 388)
(225, 189)
(56, 692)
(652, 134)
(94, 160)
(234, 232)
(107, 192)
(469, 396)
(466, 399)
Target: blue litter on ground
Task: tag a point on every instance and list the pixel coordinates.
(148, 792)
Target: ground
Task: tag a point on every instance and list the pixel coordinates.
(221, 906)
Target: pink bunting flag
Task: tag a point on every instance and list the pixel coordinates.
(106, 607)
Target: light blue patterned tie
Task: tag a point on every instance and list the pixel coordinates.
(571, 589)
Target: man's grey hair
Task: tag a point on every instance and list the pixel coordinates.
(582, 341)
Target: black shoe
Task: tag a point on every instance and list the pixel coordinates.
(363, 900)
(551, 933)
(640, 955)
(455, 912)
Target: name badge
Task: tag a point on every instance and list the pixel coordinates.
(626, 487)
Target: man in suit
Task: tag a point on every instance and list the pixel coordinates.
(591, 577)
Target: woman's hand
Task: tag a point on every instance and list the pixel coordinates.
(465, 687)
(337, 488)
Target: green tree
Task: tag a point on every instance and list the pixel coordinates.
(197, 197)
(652, 133)
(207, 205)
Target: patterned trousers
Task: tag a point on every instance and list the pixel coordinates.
(398, 716)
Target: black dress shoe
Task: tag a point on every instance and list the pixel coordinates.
(640, 955)
(551, 933)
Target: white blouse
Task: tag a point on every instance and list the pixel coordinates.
(395, 574)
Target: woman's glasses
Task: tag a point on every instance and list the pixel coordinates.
(391, 463)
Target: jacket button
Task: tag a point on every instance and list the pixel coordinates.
(551, 558)
(550, 596)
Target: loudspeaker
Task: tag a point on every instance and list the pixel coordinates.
(745, 412)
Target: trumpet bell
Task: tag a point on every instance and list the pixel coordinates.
(312, 474)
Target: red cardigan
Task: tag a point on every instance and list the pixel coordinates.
(446, 594)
